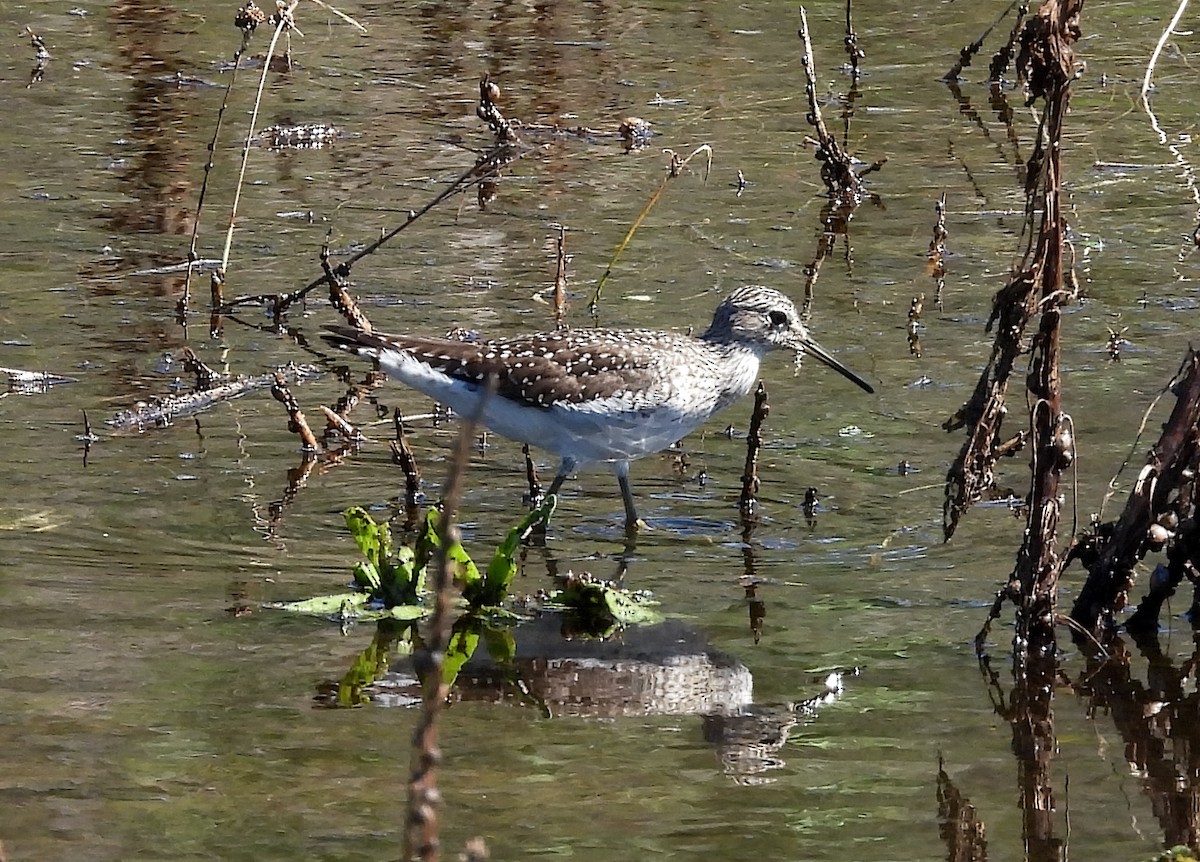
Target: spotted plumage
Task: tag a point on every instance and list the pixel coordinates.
(600, 395)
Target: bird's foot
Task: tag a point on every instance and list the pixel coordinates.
(637, 525)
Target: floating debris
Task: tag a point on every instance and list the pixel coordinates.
(204, 264)
(163, 411)
(306, 136)
(23, 382)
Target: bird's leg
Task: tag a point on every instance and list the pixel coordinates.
(632, 522)
(564, 470)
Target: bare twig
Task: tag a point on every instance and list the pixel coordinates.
(247, 20)
(1162, 41)
(852, 50)
(676, 165)
(748, 501)
(402, 454)
(297, 424)
(421, 839)
(465, 180)
(285, 22)
(967, 54)
(560, 279)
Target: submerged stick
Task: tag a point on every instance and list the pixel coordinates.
(1044, 284)
(937, 251)
(967, 54)
(1159, 513)
(855, 53)
(402, 454)
(297, 424)
(560, 279)
(531, 476)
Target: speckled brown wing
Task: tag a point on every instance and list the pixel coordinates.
(540, 370)
(575, 367)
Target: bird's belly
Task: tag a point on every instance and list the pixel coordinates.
(595, 434)
(605, 429)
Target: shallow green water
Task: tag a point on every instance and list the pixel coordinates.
(144, 721)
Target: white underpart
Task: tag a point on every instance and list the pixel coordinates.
(615, 429)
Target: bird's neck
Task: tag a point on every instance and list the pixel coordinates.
(739, 370)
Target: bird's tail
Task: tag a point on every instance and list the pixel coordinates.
(356, 341)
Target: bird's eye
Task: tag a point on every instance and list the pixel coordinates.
(778, 318)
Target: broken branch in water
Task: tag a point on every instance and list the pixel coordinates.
(163, 411)
(844, 185)
(41, 57)
(206, 378)
(967, 54)
(402, 455)
(297, 424)
(937, 251)
(283, 21)
(837, 167)
(1160, 514)
(560, 279)
(247, 20)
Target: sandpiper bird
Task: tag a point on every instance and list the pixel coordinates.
(600, 395)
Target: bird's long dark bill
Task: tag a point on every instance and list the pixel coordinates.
(826, 357)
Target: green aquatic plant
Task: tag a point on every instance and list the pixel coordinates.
(390, 582)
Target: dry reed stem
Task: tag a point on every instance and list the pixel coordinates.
(181, 307)
(285, 23)
(421, 839)
(675, 165)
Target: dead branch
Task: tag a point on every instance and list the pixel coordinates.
(748, 502)
(1159, 514)
(402, 455)
(837, 168)
(421, 838)
(297, 424)
(675, 166)
(163, 411)
(1042, 286)
(486, 168)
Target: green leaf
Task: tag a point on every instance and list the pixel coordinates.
(366, 577)
(503, 567)
(462, 566)
(373, 539)
(407, 612)
(464, 640)
(501, 645)
(601, 607)
(397, 583)
(628, 609)
(323, 606)
(427, 542)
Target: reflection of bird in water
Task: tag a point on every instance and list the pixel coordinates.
(664, 669)
(600, 395)
(749, 739)
(668, 668)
